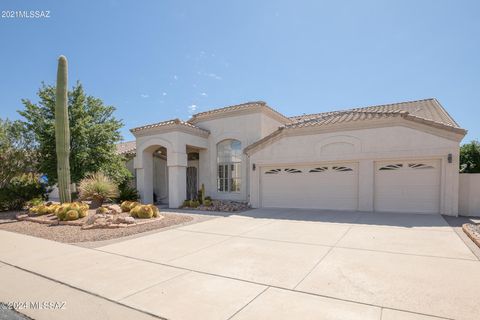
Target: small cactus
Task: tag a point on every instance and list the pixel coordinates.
(62, 132)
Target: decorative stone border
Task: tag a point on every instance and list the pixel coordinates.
(473, 232)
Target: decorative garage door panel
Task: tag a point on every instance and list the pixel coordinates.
(407, 186)
(323, 186)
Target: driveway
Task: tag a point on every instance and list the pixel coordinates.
(267, 264)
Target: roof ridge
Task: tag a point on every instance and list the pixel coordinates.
(259, 102)
(167, 122)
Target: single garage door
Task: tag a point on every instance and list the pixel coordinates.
(322, 186)
(407, 186)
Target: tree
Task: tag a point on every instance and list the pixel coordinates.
(470, 157)
(17, 151)
(94, 132)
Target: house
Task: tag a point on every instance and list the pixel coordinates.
(400, 157)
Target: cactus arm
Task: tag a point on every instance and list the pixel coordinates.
(62, 131)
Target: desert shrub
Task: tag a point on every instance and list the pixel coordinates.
(98, 188)
(144, 211)
(127, 193)
(20, 190)
(71, 211)
(42, 209)
(35, 202)
(126, 206)
(194, 203)
(101, 210)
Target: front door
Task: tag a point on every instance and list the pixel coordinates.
(192, 183)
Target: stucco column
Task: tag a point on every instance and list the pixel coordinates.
(177, 178)
(144, 169)
(366, 185)
(450, 185)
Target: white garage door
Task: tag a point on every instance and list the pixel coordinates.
(322, 186)
(407, 186)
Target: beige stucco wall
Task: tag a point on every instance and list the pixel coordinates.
(469, 194)
(247, 128)
(364, 146)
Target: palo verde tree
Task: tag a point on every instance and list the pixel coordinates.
(94, 132)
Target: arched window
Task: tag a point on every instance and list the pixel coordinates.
(229, 164)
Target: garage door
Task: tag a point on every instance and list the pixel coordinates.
(407, 186)
(322, 186)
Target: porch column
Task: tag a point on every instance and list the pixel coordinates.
(144, 170)
(177, 178)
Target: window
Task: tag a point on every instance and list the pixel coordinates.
(229, 161)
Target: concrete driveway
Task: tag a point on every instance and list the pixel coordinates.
(272, 264)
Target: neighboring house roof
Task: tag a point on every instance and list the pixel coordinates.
(170, 124)
(128, 147)
(239, 108)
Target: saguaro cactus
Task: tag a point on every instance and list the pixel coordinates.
(62, 132)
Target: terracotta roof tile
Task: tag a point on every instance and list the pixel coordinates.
(428, 109)
(166, 124)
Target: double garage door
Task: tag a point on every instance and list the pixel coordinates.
(399, 186)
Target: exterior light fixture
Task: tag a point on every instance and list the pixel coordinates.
(450, 158)
(254, 167)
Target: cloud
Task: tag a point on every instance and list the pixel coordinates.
(214, 76)
(211, 75)
(175, 77)
(192, 108)
(164, 93)
(144, 95)
(204, 94)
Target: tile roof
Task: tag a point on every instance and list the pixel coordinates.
(167, 123)
(238, 107)
(126, 147)
(428, 109)
(343, 116)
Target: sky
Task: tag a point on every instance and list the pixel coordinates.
(159, 60)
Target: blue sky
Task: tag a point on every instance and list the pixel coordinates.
(156, 60)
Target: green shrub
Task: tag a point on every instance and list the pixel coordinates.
(127, 193)
(194, 203)
(98, 188)
(35, 202)
(19, 191)
(207, 203)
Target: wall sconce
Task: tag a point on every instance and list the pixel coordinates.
(254, 167)
(450, 158)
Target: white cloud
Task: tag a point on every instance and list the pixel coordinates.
(214, 76)
(164, 93)
(175, 77)
(144, 95)
(204, 94)
(192, 108)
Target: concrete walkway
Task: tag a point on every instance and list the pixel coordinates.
(262, 264)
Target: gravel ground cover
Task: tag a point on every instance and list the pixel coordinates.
(74, 234)
(473, 232)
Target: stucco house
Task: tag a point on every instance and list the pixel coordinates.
(400, 157)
